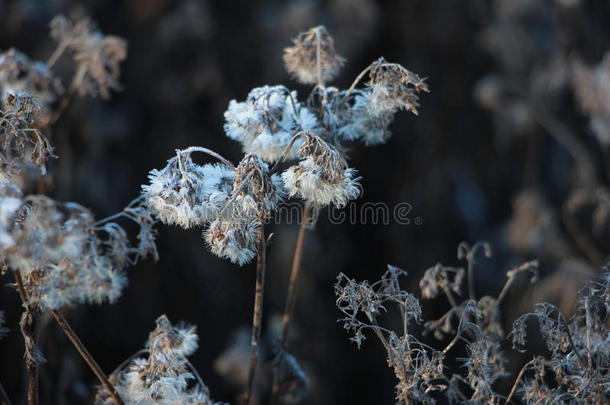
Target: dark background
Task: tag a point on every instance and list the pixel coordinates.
(470, 172)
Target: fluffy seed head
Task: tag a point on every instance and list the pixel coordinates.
(266, 122)
(313, 59)
(187, 194)
(322, 176)
(233, 240)
(393, 87)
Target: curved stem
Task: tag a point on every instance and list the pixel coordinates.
(355, 83)
(288, 147)
(192, 149)
(516, 384)
(65, 326)
(257, 315)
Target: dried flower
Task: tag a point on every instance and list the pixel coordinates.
(313, 59)
(64, 256)
(98, 56)
(186, 194)
(234, 240)
(164, 376)
(266, 122)
(322, 176)
(20, 74)
(20, 142)
(393, 87)
(354, 120)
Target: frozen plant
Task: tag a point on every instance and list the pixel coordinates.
(63, 256)
(419, 368)
(266, 122)
(578, 367)
(186, 194)
(322, 177)
(161, 374)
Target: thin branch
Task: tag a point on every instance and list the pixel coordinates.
(4, 400)
(517, 381)
(291, 297)
(65, 326)
(512, 274)
(192, 149)
(258, 313)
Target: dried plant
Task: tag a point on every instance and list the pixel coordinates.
(419, 368)
(98, 56)
(313, 59)
(21, 143)
(161, 374)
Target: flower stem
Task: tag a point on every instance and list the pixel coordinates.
(258, 314)
(63, 323)
(27, 325)
(291, 297)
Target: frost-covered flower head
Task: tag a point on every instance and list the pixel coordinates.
(20, 74)
(164, 376)
(64, 256)
(266, 122)
(322, 176)
(233, 239)
(256, 192)
(348, 117)
(235, 234)
(392, 88)
(313, 59)
(98, 56)
(20, 142)
(186, 194)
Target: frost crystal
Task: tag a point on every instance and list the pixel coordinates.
(266, 122)
(187, 194)
(322, 176)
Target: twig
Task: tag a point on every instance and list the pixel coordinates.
(512, 274)
(516, 384)
(63, 323)
(258, 313)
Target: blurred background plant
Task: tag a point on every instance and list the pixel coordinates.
(511, 147)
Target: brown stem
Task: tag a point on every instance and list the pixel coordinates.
(257, 315)
(63, 323)
(295, 271)
(516, 384)
(4, 400)
(291, 297)
(27, 325)
(512, 274)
